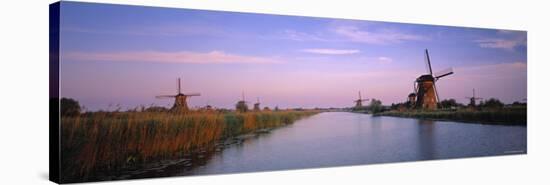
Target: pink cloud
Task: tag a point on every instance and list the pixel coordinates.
(356, 34)
(212, 57)
(331, 51)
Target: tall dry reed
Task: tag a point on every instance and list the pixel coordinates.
(109, 141)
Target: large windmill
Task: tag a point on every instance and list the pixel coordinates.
(473, 98)
(425, 88)
(241, 105)
(180, 105)
(359, 102)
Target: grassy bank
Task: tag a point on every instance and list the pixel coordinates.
(503, 116)
(109, 141)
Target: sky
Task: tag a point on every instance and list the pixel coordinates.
(126, 55)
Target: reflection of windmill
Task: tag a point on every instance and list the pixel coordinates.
(425, 88)
(359, 102)
(473, 98)
(180, 104)
(241, 105)
(257, 104)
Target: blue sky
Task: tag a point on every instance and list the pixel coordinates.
(113, 54)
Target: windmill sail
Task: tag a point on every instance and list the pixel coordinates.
(443, 73)
(428, 62)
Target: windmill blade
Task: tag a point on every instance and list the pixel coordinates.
(166, 96)
(443, 73)
(428, 62)
(436, 94)
(193, 94)
(179, 86)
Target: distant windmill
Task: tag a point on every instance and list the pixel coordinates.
(241, 105)
(411, 100)
(359, 102)
(425, 88)
(473, 98)
(257, 105)
(208, 106)
(180, 105)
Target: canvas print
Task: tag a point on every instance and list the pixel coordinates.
(141, 92)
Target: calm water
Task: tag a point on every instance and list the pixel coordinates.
(339, 138)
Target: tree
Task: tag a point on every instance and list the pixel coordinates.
(449, 103)
(491, 103)
(69, 107)
(375, 106)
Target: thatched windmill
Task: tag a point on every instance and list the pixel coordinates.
(257, 104)
(180, 105)
(359, 102)
(241, 105)
(425, 88)
(473, 98)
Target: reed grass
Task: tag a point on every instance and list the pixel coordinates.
(109, 141)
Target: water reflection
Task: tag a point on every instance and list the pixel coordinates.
(339, 138)
(426, 143)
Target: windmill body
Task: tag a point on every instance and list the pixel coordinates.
(241, 105)
(473, 98)
(180, 103)
(426, 95)
(411, 100)
(257, 105)
(425, 88)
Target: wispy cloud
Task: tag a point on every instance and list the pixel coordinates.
(326, 51)
(384, 60)
(508, 40)
(356, 34)
(498, 43)
(290, 34)
(212, 57)
(151, 30)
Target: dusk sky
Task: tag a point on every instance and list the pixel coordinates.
(113, 54)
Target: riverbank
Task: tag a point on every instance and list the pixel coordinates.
(110, 143)
(503, 116)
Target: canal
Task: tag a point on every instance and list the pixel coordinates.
(343, 138)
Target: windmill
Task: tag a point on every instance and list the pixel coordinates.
(473, 98)
(241, 105)
(425, 88)
(208, 106)
(359, 102)
(411, 100)
(180, 105)
(257, 104)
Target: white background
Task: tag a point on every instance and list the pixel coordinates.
(24, 91)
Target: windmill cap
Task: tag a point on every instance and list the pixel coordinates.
(425, 78)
